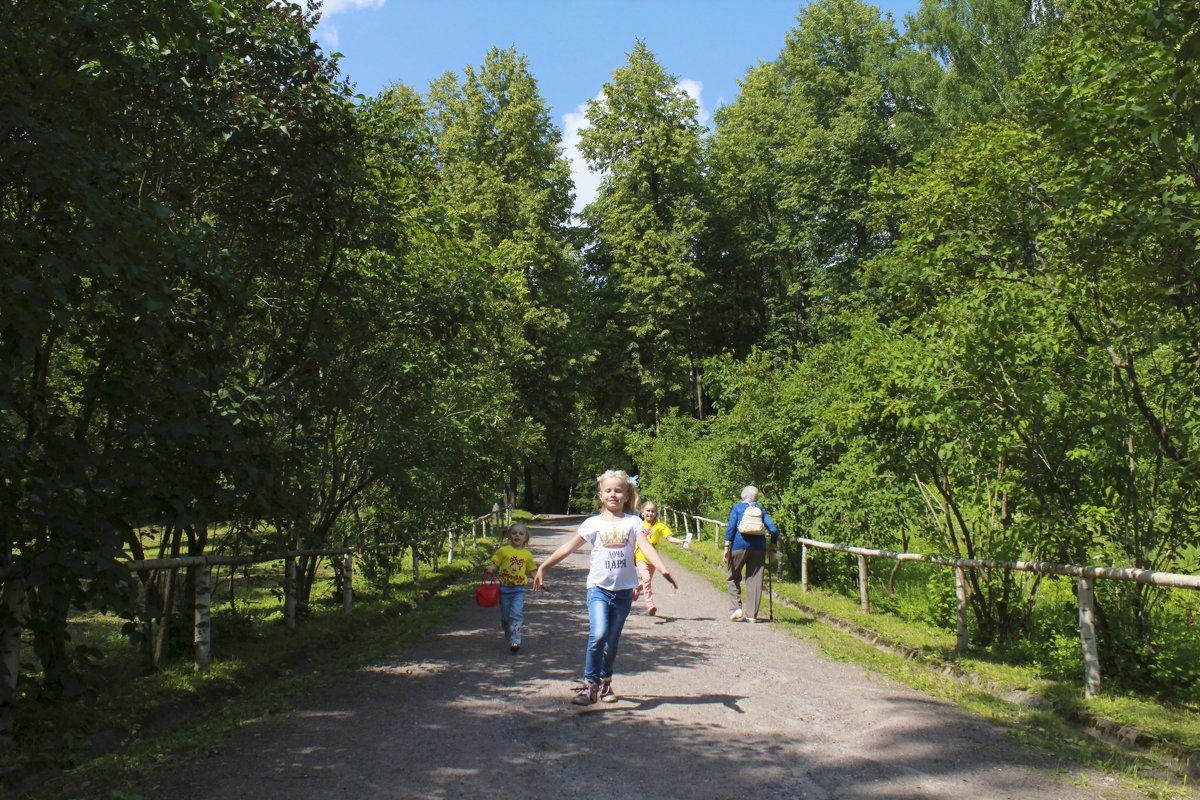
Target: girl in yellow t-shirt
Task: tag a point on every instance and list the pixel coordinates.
(514, 562)
(655, 531)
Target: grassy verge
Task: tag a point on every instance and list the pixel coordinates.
(131, 725)
(978, 681)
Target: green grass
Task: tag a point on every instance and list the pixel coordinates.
(1053, 730)
(155, 717)
(256, 661)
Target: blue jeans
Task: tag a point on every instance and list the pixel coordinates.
(512, 611)
(606, 614)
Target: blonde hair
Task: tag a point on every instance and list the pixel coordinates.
(631, 491)
(519, 526)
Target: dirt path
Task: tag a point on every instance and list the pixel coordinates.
(709, 709)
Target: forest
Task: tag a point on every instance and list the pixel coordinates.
(923, 282)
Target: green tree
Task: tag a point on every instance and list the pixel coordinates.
(1052, 258)
(645, 224)
(791, 166)
(121, 397)
(509, 188)
(969, 55)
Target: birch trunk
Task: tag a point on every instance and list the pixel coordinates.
(202, 638)
(289, 595)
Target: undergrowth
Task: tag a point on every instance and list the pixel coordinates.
(1054, 729)
(128, 722)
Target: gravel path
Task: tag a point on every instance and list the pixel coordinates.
(709, 709)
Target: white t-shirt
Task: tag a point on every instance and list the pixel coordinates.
(613, 544)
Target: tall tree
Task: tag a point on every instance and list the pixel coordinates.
(791, 166)
(157, 166)
(509, 187)
(969, 54)
(643, 137)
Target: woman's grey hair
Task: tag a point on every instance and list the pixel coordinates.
(750, 494)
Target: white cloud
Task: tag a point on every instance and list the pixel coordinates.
(693, 89)
(587, 183)
(328, 35)
(327, 32)
(330, 7)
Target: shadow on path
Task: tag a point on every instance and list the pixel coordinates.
(708, 709)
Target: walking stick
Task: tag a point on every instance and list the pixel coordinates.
(770, 593)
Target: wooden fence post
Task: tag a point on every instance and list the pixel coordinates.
(1087, 635)
(202, 636)
(450, 555)
(289, 594)
(862, 584)
(804, 568)
(416, 564)
(348, 582)
(960, 605)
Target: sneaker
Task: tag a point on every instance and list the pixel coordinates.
(751, 620)
(652, 611)
(737, 615)
(607, 695)
(514, 647)
(586, 695)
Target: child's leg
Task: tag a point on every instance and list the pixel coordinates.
(597, 603)
(516, 615)
(506, 609)
(619, 606)
(645, 571)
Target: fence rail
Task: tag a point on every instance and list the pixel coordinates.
(1085, 575)
(202, 601)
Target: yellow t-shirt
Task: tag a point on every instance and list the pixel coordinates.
(656, 535)
(513, 565)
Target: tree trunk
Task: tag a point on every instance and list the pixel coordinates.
(12, 605)
(530, 501)
(164, 620)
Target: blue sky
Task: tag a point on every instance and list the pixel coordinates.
(573, 46)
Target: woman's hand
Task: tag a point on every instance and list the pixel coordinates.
(538, 583)
(670, 580)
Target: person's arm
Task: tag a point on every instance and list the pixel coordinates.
(564, 550)
(773, 528)
(654, 558)
(669, 535)
(730, 530)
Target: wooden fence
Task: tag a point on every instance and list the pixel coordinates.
(1086, 577)
(202, 630)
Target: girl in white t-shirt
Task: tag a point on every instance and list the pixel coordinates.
(614, 534)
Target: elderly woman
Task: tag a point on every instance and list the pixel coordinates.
(746, 552)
